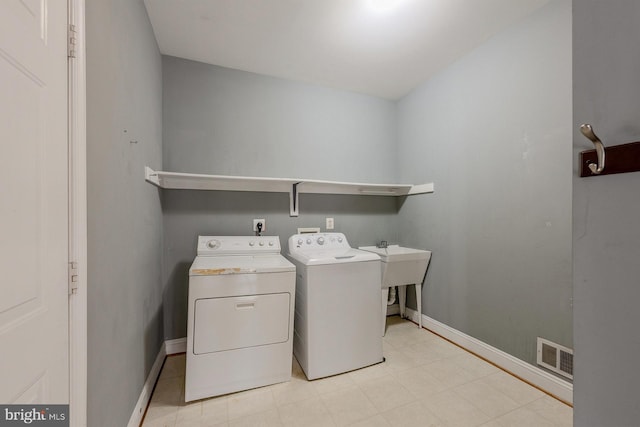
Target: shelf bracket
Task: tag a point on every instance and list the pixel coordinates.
(293, 200)
(151, 176)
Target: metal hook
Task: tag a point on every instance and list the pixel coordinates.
(587, 131)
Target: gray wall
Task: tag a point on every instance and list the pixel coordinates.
(124, 96)
(606, 210)
(228, 122)
(493, 132)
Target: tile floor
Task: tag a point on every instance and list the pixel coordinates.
(425, 381)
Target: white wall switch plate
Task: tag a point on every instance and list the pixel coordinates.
(329, 225)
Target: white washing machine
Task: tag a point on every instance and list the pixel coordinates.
(240, 316)
(337, 319)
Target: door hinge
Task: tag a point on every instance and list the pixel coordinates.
(73, 277)
(71, 41)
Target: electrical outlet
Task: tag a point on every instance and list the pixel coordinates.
(259, 221)
(329, 223)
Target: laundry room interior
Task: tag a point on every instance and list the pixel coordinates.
(490, 126)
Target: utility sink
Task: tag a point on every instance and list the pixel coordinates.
(401, 267)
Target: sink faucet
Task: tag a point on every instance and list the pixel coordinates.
(383, 244)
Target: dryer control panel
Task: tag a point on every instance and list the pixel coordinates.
(238, 245)
(316, 241)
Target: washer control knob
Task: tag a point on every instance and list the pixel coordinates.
(340, 239)
(308, 241)
(213, 244)
(251, 243)
(321, 240)
(261, 243)
(270, 243)
(300, 241)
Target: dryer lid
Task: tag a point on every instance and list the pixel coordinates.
(239, 264)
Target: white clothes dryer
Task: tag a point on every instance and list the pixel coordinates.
(337, 312)
(240, 316)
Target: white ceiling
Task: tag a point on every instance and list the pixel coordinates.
(383, 48)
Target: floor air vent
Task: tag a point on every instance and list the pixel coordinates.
(555, 357)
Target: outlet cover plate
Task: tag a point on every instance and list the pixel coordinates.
(255, 224)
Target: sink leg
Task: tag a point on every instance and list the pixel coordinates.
(402, 294)
(419, 303)
(385, 297)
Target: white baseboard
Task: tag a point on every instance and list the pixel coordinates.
(179, 345)
(551, 384)
(147, 389)
(170, 347)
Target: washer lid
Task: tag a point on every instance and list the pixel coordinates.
(239, 264)
(333, 256)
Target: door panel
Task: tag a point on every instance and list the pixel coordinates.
(34, 202)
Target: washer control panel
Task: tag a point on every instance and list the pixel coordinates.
(315, 241)
(237, 245)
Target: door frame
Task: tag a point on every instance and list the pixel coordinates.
(77, 136)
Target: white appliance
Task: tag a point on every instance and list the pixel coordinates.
(337, 319)
(240, 316)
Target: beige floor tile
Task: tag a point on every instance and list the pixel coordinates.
(161, 412)
(168, 420)
(420, 382)
(406, 335)
(386, 393)
(250, 402)
(524, 417)
(448, 373)
(553, 410)
(395, 323)
(189, 411)
(370, 373)
(215, 410)
(296, 370)
(518, 390)
(453, 410)
(168, 392)
(489, 400)
(269, 418)
(174, 366)
(492, 423)
(397, 360)
(423, 351)
(211, 420)
(334, 383)
(309, 413)
(426, 381)
(448, 350)
(293, 391)
(474, 365)
(348, 405)
(202, 422)
(412, 415)
(375, 421)
(386, 346)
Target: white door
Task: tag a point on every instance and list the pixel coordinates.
(33, 202)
